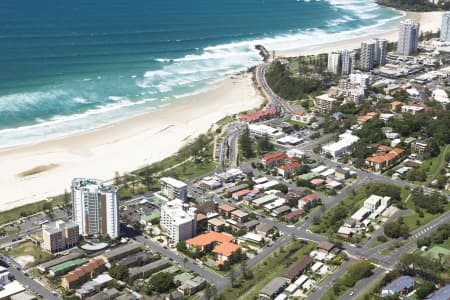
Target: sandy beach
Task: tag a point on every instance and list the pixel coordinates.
(123, 147)
(429, 21)
(140, 141)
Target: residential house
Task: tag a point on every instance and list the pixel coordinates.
(206, 242)
(293, 215)
(225, 210)
(223, 251)
(325, 247)
(273, 288)
(403, 285)
(239, 216)
(216, 224)
(297, 268)
(307, 202)
(264, 229)
(289, 169)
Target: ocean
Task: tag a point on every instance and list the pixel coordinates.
(67, 67)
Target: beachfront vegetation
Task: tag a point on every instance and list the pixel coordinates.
(291, 85)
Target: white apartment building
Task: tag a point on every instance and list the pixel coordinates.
(445, 27)
(95, 207)
(341, 147)
(173, 188)
(324, 103)
(179, 224)
(334, 62)
(408, 39)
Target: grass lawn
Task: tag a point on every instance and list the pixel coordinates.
(29, 209)
(268, 269)
(414, 221)
(29, 249)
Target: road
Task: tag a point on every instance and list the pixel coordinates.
(32, 285)
(219, 281)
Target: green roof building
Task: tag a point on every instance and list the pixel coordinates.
(66, 267)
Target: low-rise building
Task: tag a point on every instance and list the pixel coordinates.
(419, 146)
(239, 216)
(121, 252)
(385, 161)
(223, 251)
(273, 288)
(324, 104)
(307, 202)
(293, 215)
(325, 247)
(226, 210)
(206, 242)
(173, 188)
(86, 272)
(275, 159)
(191, 286)
(216, 224)
(264, 229)
(262, 130)
(59, 235)
(341, 147)
(288, 170)
(441, 294)
(260, 115)
(297, 268)
(148, 269)
(403, 285)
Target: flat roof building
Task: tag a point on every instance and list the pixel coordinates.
(173, 188)
(178, 223)
(59, 235)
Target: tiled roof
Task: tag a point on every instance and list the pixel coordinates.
(209, 238)
(227, 207)
(226, 249)
(293, 165)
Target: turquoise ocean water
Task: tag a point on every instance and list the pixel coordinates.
(71, 66)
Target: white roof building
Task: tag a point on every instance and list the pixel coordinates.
(260, 130)
(295, 153)
(266, 185)
(341, 147)
(179, 224)
(319, 169)
(440, 95)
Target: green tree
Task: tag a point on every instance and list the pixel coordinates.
(246, 144)
(118, 272)
(162, 282)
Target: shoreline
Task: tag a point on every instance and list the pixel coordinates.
(429, 21)
(128, 145)
(122, 147)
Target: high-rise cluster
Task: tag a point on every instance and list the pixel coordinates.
(373, 54)
(341, 62)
